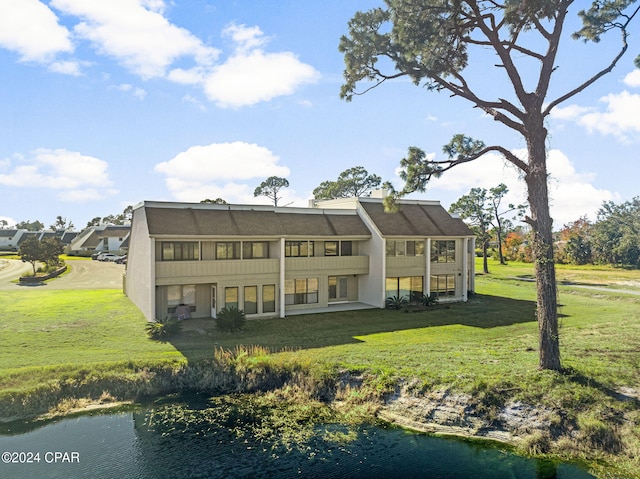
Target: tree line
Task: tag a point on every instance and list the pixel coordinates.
(613, 238)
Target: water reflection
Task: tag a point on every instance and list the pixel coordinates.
(176, 442)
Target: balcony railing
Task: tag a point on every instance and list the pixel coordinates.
(195, 269)
(335, 265)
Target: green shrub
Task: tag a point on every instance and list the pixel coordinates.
(163, 329)
(231, 319)
(395, 302)
(430, 300)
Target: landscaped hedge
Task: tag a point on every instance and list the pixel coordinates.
(37, 279)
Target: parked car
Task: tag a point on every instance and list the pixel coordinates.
(121, 259)
(107, 257)
(95, 255)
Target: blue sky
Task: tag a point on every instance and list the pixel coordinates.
(109, 103)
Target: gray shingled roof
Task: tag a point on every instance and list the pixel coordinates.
(28, 234)
(114, 231)
(415, 220)
(243, 222)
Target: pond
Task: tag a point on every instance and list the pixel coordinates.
(169, 441)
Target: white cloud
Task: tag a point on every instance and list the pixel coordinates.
(570, 112)
(66, 67)
(572, 193)
(632, 79)
(70, 173)
(248, 79)
(194, 101)
(620, 118)
(220, 170)
(135, 91)
(245, 38)
(136, 34)
(31, 29)
(250, 75)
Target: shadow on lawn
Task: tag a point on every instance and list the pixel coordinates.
(199, 336)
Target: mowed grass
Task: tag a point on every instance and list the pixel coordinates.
(47, 333)
(487, 347)
(491, 339)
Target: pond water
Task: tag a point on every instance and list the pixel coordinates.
(153, 443)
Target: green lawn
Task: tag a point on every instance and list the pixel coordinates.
(492, 338)
(486, 344)
(44, 333)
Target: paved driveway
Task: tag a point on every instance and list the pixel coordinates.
(83, 274)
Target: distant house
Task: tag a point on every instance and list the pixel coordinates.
(102, 238)
(12, 239)
(271, 261)
(9, 239)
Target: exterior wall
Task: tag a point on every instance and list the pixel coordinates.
(11, 239)
(333, 265)
(365, 270)
(186, 272)
(406, 266)
(402, 266)
(454, 268)
(114, 243)
(140, 272)
(371, 286)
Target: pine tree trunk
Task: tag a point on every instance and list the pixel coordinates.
(485, 255)
(542, 224)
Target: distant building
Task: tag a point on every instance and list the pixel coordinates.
(102, 238)
(271, 261)
(10, 240)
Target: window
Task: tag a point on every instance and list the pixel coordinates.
(250, 299)
(338, 248)
(181, 294)
(301, 291)
(415, 248)
(255, 249)
(411, 287)
(228, 250)
(338, 287)
(443, 251)
(443, 285)
(298, 248)
(331, 248)
(231, 297)
(269, 298)
(405, 248)
(180, 251)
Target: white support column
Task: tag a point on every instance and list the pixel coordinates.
(465, 267)
(427, 258)
(153, 290)
(472, 278)
(282, 278)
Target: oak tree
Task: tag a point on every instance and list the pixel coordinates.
(30, 252)
(433, 41)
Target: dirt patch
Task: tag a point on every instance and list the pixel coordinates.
(444, 412)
